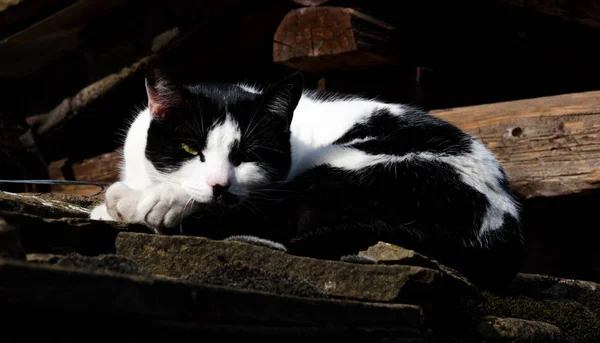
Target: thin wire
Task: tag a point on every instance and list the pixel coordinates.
(62, 182)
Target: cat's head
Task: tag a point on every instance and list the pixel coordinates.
(220, 142)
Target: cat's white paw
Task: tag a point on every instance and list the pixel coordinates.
(163, 206)
(121, 202)
(100, 212)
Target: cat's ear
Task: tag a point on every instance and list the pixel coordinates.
(163, 93)
(283, 96)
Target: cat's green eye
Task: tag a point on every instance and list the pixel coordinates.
(189, 149)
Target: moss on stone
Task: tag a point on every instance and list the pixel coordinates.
(573, 318)
(591, 299)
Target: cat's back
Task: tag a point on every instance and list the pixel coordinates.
(322, 118)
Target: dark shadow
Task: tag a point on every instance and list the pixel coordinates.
(562, 236)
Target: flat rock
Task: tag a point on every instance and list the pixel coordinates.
(104, 262)
(52, 223)
(47, 205)
(241, 276)
(66, 235)
(390, 254)
(69, 299)
(494, 329)
(178, 256)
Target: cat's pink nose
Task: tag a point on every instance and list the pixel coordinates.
(215, 182)
(219, 190)
(218, 186)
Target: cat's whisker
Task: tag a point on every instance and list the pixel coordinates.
(252, 146)
(253, 116)
(201, 115)
(183, 214)
(189, 124)
(249, 134)
(250, 207)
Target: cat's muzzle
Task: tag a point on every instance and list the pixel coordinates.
(227, 199)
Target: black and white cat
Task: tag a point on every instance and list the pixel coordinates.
(322, 175)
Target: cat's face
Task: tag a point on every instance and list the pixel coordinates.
(220, 143)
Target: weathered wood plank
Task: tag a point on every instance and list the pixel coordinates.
(549, 146)
(322, 38)
(103, 168)
(48, 124)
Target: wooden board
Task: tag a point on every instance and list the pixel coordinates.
(317, 39)
(103, 168)
(549, 146)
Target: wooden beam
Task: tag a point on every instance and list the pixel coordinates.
(50, 123)
(322, 38)
(549, 146)
(585, 12)
(103, 168)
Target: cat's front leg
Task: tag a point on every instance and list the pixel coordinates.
(100, 212)
(159, 206)
(163, 206)
(119, 205)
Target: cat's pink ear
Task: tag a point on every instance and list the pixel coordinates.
(163, 93)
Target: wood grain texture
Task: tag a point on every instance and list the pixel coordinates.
(322, 38)
(103, 168)
(549, 146)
